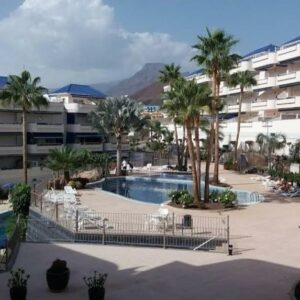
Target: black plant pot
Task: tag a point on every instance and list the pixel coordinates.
(18, 293)
(57, 282)
(96, 293)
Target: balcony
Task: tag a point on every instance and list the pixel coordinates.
(243, 66)
(79, 108)
(293, 102)
(265, 83)
(80, 128)
(288, 78)
(113, 147)
(10, 128)
(36, 127)
(263, 105)
(202, 78)
(90, 147)
(235, 108)
(264, 60)
(288, 53)
(10, 150)
(42, 149)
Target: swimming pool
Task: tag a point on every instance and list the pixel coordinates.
(155, 189)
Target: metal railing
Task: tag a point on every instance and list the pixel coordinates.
(50, 221)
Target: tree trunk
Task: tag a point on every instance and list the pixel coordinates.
(66, 176)
(179, 160)
(216, 131)
(198, 157)
(119, 153)
(207, 166)
(184, 153)
(24, 125)
(192, 160)
(235, 160)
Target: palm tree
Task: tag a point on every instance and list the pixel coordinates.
(101, 162)
(214, 56)
(244, 80)
(117, 117)
(25, 92)
(170, 74)
(272, 142)
(67, 160)
(190, 98)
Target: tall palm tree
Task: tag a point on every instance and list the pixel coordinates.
(272, 142)
(117, 117)
(244, 80)
(190, 99)
(168, 75)
(214, 56)
(26, 93)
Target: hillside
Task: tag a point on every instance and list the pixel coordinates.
(150, 95)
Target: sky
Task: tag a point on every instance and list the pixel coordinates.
(91, 41)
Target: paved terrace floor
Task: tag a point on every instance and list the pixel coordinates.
(265, 264)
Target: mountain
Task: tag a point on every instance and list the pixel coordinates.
(104, 87)
(151, 94)
(141, 79)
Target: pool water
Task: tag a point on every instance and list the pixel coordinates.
(156, 189)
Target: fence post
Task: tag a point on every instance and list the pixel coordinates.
(164, 237)
(41, 204)
(103, 231)
(56, 211)
(173, 223)
(228, 233)
(76, 221)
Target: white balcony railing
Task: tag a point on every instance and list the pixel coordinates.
(80, 128)
(235, 108)
(35, 127)
(10, 150)
(202, 78)
(288, 78)
(79, 108)
(288, 53)
(264, 60)
(90, 147)
(42, 149)
(10, 128)
(265, 83)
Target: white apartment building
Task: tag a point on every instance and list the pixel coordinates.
(63, 122)
(273, 105)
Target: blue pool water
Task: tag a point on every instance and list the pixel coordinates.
(155, 189)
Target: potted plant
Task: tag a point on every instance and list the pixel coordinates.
(95, 284)
(18, 285)
(58, 275)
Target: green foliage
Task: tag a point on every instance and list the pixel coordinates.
(214, 195)
(18, 278)
(20, 199)
(295, 152)
(181, 197)
(289, 176)
(95, 281)
(229, 165)
(72, 183)
(10, 225)
(227, 198)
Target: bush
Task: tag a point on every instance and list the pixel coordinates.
(214, 195)
(78, 185)
(20, 199)
(229, 165)
(83, 181)
(181, 197)
(227, 198)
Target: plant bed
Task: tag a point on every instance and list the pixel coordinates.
(210, 206)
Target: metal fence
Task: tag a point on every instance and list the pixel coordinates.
(50, 221)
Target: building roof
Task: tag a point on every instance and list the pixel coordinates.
(268, 48)
(79, 89)
(293, 41)
(198, 71)
(3, 81)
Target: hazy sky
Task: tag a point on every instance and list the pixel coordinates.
(89, 41)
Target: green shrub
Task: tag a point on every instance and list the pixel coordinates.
(229, 165)
(181, 197)
(227, 198)
(83, 181)
(214, 195)
(20, 199)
